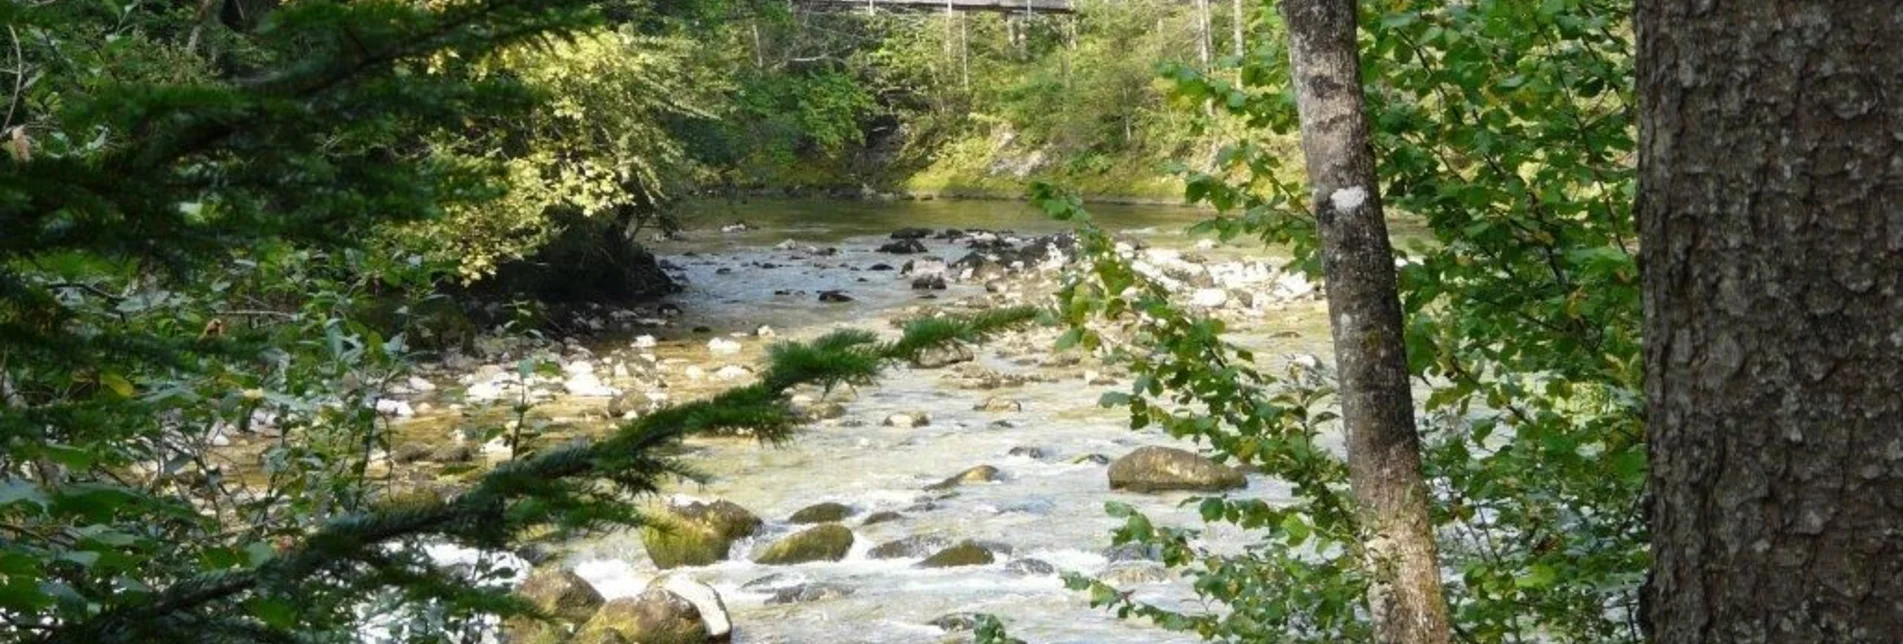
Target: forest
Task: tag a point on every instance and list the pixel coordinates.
(642, 321)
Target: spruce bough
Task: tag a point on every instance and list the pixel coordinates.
(551, 489)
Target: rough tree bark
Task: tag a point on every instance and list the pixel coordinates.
(1771, 209)
(1384, 460)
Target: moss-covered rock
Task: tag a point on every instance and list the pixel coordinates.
(828, 542)
(568, 600)
(656, 616)
(696, 534)
(979, 474)
(672, 543)
(963, 554)
(1161, 469)
(828, 512)
(726, 518)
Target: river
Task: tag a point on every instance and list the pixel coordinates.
(1047, 506)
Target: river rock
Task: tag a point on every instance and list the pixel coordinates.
(963, 554)
(880, 267)
(773, 582)
(907, 419)
(911, 233)
(828, 542)
(805, 593)
(929, 282)
(956, 622)
(1133, 551)
(881, 516)
(1035, 453)
(588, 384)
(561, 594)
(942, 356)
(828, 512)
(1135, 572)
(824, 411)
(656, 616)
(453, 454)
(736, 227)
(979, 474)
(1160, 469)
(915, 546)
(408, 453)
(834, 296)
(1209, 298)
(924, 266)
(1030, 567)
(696, 534)
(713, 610)
(629, 402)
(999, 405)
(724, 517)
(723, 346)
(902, 247)
(1094, 459)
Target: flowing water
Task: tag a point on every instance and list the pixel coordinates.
(1048, 508)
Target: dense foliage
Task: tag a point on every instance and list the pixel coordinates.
(237, 227)
(1505, 128)
(219, 232)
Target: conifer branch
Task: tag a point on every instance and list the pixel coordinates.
(544, 489)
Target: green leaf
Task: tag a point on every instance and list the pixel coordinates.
(1296, 528)
(1538, 576)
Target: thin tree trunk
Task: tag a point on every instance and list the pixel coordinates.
(1238, 23)
(1771, 209)
(1202, 32)
(1384, 460)
(964, 54)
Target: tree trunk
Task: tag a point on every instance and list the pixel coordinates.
(1771, 209)
(1384, 460)
(1239, 22)
(1202, 32)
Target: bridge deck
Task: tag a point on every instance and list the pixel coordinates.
(1001, 6)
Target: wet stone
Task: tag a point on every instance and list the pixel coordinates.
(881, 516)
(827, 512)
(1030, 567)
(813, 592)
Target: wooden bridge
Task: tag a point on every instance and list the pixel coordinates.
(998, 6)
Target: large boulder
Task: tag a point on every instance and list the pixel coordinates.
(726, 518)
(656, 616)
(713, 610)
(1162, 469)
(567, 599)
(828, 512)
(828, 542)
(696, 534)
